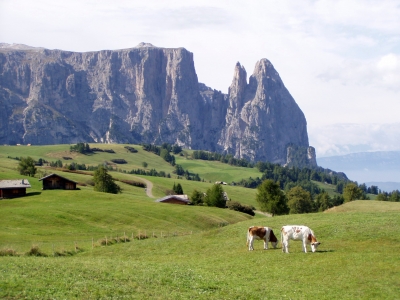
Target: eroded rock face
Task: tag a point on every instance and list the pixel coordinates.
(262, 119)
(144, 94)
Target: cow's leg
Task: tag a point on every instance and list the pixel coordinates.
(265, 244)
(251, 243)
(304, 246)
(285, 246)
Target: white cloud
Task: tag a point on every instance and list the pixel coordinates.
(383, 72)
(341, 139)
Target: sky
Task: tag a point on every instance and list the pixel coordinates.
(339, 59)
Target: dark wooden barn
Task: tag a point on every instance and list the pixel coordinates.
(54, 181)
(13, 188)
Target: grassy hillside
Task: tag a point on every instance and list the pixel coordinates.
(65, 215)
(358, 259)
(191, 252)
(366, 206)
(209, 171)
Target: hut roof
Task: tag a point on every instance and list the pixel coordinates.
(183, 198)
(54, 174)
(14, 183)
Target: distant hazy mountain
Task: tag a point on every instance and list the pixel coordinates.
(381, 168)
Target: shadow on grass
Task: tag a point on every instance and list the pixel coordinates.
(33, 194)
(324, 251)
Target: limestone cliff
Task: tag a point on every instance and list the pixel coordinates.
(144, 94)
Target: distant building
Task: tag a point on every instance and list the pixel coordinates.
(54, 181)
(221, 182)
(175, 199)
(13, 188)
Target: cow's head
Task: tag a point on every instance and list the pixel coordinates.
(314, 246)
(313, 241)
(273, 239)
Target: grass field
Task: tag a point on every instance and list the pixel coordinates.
(202, 254)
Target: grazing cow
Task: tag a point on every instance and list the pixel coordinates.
(299, 233)
(261, 233)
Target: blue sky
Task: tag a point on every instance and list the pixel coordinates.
(340, 60)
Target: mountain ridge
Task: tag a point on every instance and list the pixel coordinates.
(146, 94)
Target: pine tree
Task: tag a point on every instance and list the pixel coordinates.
(215, 196)
(271, 198)
(103, 182)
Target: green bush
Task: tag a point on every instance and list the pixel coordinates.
(237, 206)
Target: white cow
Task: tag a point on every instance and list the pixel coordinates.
(261, 233)
(299, 233)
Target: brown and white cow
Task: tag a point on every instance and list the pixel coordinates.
(299, 233)
(261, 233)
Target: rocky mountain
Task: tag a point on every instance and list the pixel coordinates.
(146, 94)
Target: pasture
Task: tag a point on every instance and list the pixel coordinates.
(358, 258)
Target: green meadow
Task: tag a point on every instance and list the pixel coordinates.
(164, 251)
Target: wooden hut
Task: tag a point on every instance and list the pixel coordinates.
(54, 181)
(175, 199)
(13, 188)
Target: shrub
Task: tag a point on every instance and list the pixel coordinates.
(63, 253)
(8, 252)
(35, 251)
(234, 205)
(119, 161)
(131, 149)
(134, 183)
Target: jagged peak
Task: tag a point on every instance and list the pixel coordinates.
(262, 65)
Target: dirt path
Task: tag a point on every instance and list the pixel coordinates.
(149, 186)
(263, 213)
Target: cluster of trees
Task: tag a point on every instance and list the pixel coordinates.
(72, 166)
(393, 196)
(177, 189)
(80, 148)
(216, 197)
(152, 172)
(224, 158)
(164, 151)
(298, 200)
(185, 173)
